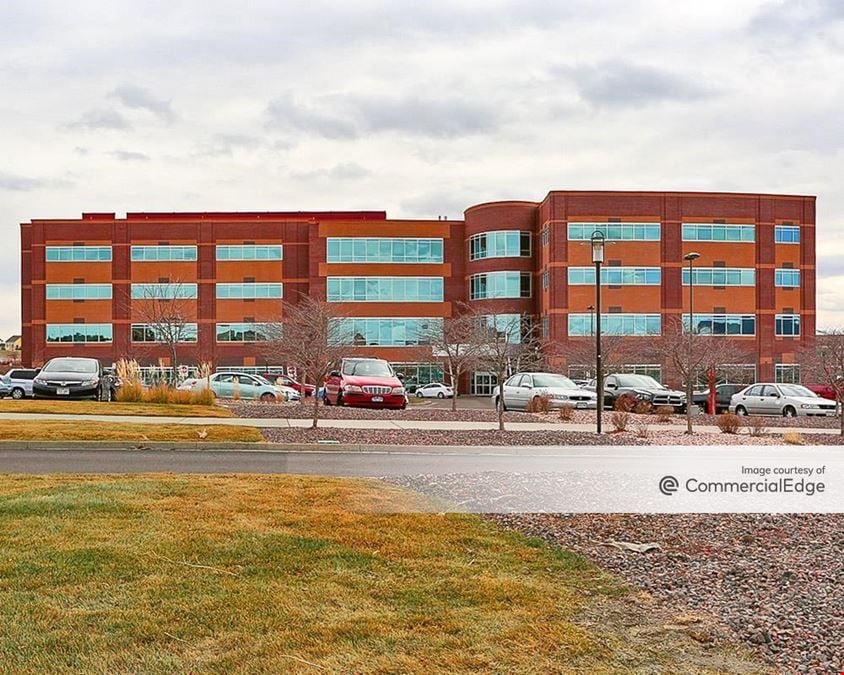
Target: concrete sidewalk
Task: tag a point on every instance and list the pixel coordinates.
(287, 423)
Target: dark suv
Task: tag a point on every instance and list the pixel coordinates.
(641, 388)
(73, 377)
(365, 383)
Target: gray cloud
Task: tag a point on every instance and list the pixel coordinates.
(15, 183)
(352, 116)
(100, 119)
(342, 171)
(138, 98)
(437, 203)
(128, 156)
(225, 144)
(796, 19)
(620, 83)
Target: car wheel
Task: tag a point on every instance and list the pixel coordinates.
(267, 397)
(789, 411)
(418, 394)
(500, 404)
(440, 395)
(741, 411)
(17, 393)
(339, 400)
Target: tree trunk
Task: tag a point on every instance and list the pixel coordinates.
(689, 404)
(175, 364)
(453, 387)
(500, 403)
(315, 419)
(841, 412)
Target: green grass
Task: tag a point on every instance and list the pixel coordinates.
(283, 574)
(48, 430)
(114, 408)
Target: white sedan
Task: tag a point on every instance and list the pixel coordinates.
(434, 390)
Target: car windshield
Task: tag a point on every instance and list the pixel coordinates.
(71, 366)
(551, 380)
(262, 380)
(373, 368)
(797, 390)
(638, 381)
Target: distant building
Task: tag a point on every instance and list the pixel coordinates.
(13, 344)
(82, 279)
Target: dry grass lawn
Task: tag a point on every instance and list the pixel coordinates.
(114, 408)
(285, 574)
(47, 430)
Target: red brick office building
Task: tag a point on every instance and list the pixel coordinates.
(82, 279)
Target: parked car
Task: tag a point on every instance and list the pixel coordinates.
(365, 383)
(788, 400)
(17, 383)
(286, 381)
(723, 395)
(241, 385)
(641, 388)
(522, 388)
(822, 390)
(434, 390)
(72, 377)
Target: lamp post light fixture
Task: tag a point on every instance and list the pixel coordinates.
(690, 257)
(598, 240)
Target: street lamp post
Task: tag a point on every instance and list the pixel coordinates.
(690, 257)
(591, 309)
(598, 239)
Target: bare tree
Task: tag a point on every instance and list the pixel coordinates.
(499, 353)
(690, 353)
(309, 337)
(167, 312)
(823, 361)
(616, 351)
(454, 342)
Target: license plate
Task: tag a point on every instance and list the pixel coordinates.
(377, 399)
(581, 404)
(62, 391)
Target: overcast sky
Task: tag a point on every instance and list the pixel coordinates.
(421, 109)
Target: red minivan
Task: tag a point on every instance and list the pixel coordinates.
(365, 383)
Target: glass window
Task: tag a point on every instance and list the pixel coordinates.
(616, 324)
(718, 232)
(546, 236)
(244, 332)
(615, 231)
(787, 325)
(78, 291)
(250, 252)
(386, 332)
(787, 234)
(787, 278)
(77, 253)
(385, 289)
(500, 285)
(483, 384)
(722, 324)
(249, 290)
(721, 276)
(163, 291)
(616, 276)
(500, 244)
(79, 332)
(788, 373)
(142, 332)
(383, 250)
(162, 253)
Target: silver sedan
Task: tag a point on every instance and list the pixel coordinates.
(522, 388)
(788, 400)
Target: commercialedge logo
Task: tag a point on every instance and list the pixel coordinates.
(668, 485)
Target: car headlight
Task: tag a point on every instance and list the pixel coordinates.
(808, 405)
(560, 397)
(38, 380)
(90, 383)
(352, 388)
(397, 390)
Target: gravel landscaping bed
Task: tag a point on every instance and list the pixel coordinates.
(775, 580)
(444, 437)
(299, 411)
